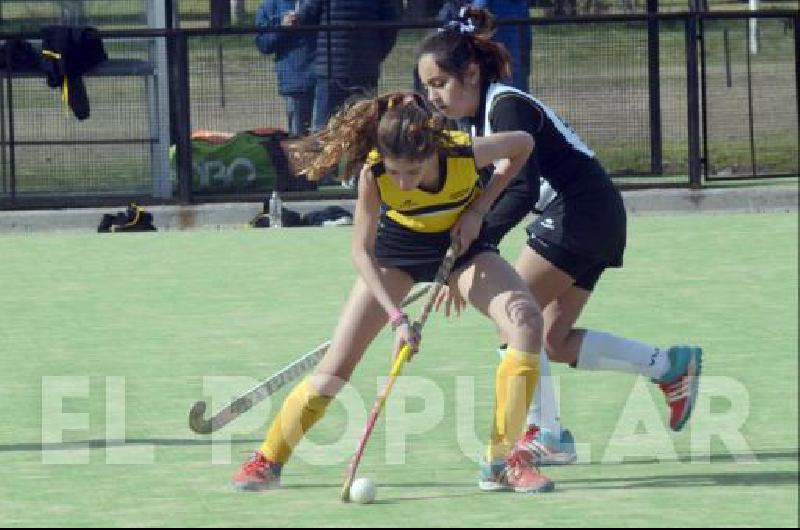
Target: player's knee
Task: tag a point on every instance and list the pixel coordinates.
(525, 322)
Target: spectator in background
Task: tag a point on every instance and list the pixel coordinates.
(517, 38)
(352, 63)
(294, 60)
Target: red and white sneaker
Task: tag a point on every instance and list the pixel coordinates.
(547, 448)
(257, 474)
(517, 473)
(681, 383)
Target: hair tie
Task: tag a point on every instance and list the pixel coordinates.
(462, 24)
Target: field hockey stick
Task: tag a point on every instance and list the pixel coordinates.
(199, 424)
(441, 277)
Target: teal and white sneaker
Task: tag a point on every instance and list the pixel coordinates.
(681, 383)
(548, 448)
(517, 473)
(491, 476)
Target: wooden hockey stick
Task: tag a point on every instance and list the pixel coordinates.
(199, 424)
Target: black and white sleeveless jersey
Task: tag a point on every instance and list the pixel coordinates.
(559, 157)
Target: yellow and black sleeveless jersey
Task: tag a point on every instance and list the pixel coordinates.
(431, 211)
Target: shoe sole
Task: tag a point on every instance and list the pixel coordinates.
(566, 460)
(251, 487)
(694, 369)
(494, 487)
(546, 488)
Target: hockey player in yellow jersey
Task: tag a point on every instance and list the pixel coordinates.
(418, 187)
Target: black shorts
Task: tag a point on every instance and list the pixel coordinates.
(582, 234)
(585, 271)
(420, 254)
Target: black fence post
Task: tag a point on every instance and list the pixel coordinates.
(12, 160)
(220, 18)
(704, 155)
(3, 142)
(329, 61)
(797, 81)
(750, 117)
(181, 114)
(171, 19)
(654, 83)
(169, 13)
(693, 101)
(220, 13)
(726, 46)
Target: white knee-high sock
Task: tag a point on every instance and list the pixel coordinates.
(544, 407)
(604, 351)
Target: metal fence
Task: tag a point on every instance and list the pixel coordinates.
(27, 15)
(664, 99)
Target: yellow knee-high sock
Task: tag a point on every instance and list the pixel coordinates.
(301, 409)
(515, 382)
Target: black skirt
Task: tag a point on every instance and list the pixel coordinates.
(419, 254)
(587, 219)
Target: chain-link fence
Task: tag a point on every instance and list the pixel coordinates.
(25, 15)
(623, 82)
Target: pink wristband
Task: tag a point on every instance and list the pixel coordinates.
(396, 315)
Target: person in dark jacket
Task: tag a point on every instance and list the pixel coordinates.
(347, 62)
(294, 60)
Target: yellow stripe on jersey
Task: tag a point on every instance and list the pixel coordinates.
(425, 211)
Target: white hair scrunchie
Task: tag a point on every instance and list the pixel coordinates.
(462, 24)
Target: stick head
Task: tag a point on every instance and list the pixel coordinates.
(345, 496)
(196, 420)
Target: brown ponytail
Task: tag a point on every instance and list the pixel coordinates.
(399, 125)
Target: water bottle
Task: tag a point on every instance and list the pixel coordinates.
(275, 210)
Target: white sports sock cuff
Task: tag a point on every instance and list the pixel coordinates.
(591, 350)
(604, 351)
